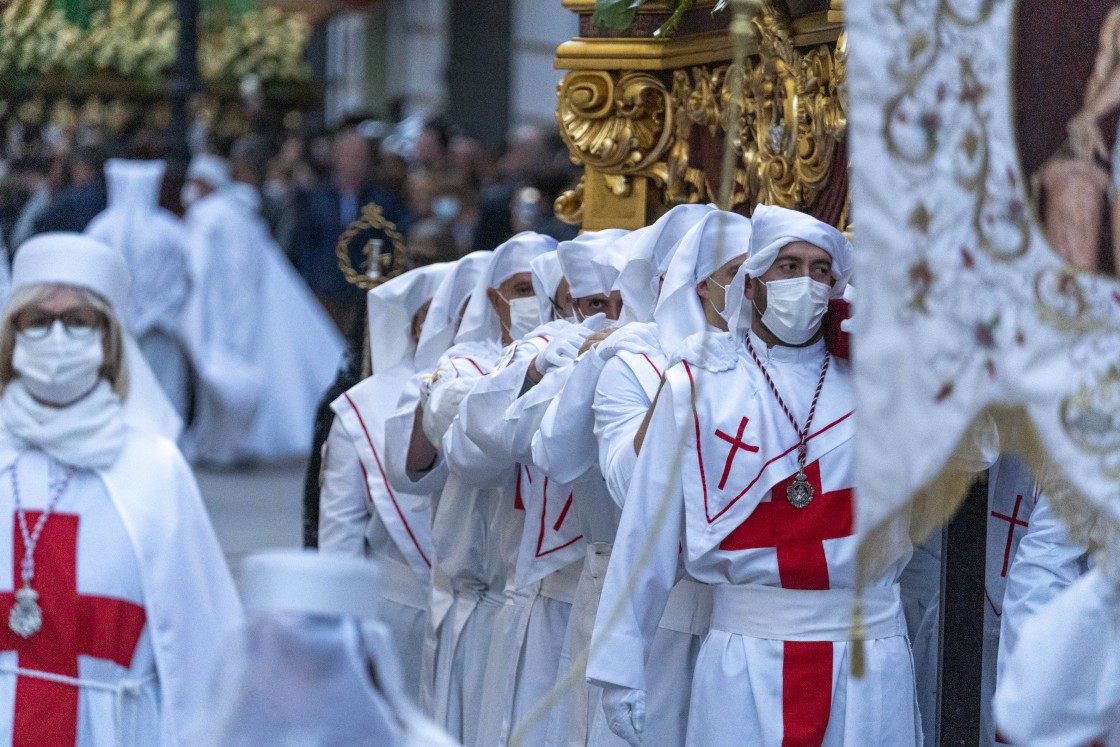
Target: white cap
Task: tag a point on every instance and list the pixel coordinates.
(310, 583)
(591, 263)
(392, 305)
(480, 322)
(774, 227)
(713, 242)
(649, 251)
(66, 258)
(210, 169)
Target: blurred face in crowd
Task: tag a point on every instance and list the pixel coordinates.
(430, 151)
(351, 160)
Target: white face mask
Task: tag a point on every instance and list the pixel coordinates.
(62, 366)
(524, 316)
(795, 308)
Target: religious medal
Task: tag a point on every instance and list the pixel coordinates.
(799, 493)
(26, 619)
(26, 616)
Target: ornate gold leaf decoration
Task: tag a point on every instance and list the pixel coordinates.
(372, 218)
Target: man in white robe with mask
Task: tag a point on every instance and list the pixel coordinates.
(565, 447)
(152, 242)
(263, 348)
(745, 478)
(475, 511)
(360, 514)
(541, 571)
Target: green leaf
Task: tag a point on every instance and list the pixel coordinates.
(616, 14)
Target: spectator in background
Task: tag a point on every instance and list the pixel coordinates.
(326, 211)
(432, 146)
(470, 163)
(527, 155)
(429, 241)
(77, 204)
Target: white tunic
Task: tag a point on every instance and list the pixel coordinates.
(360, 514)
(784, 577)
(264, 349)
(149, 595)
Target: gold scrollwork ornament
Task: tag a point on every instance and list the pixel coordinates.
(372, 218)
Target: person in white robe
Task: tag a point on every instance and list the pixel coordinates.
(744, 478)
(119, 595)
(541, 574)
(1060, 686)
(152, 242)
(359, 512)
(263, 348)
(313, 664)
(475, 525)
(576, 421)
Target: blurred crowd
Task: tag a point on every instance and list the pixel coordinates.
(447, 193)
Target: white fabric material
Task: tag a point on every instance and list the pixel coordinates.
(308, 672)
(676, 512)
(480, 322)
(210, 169)
(447, 301)
(73, 259)
(649, 250)
(189, 597)
(391, 307)
(546, 280)
(264, 348)
(152, 242)
(1061, 687)
(89, 433)
(710, 244)
(591, 262)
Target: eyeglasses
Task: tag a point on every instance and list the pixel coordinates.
(81, 321)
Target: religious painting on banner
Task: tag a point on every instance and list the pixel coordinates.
(987, 224)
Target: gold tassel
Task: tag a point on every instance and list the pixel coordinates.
(858, 664)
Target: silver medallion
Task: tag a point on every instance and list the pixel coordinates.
(800, 492)
(26, 618)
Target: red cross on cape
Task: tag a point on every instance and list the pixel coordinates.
(74, 624)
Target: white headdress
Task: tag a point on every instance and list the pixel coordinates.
(591, 263)
(209, 169)
(392, 305)
(514, 256)
(713, 242)
(546, 280)
(649, 251)
(73, 259)
(443, 314)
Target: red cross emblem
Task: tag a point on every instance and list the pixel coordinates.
(73, 625)
(1013, 521)
(736, 444)
(797, 535)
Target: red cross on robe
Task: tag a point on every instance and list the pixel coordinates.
(797, 535)
(46, 713)
(737, 443)
(1013, 521)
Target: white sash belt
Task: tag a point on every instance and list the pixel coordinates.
(126, 697)
(690, 603)
(561, 584)
(397, 583)
(798, 615)
(689, 609)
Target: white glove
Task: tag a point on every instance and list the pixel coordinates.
(625, 709)
(850, 297)
(443, 405)
(562, 349)
(636, 337)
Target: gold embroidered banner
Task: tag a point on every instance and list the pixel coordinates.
(987, 217)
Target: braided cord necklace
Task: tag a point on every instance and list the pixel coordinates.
(26, 617)
(800, 491)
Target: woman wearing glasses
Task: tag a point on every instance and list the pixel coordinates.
(114, 595)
